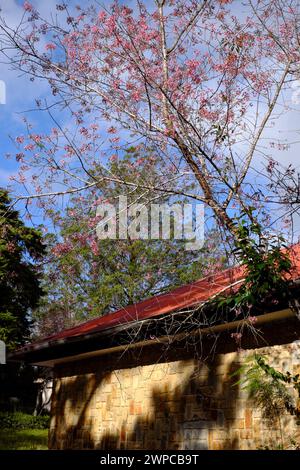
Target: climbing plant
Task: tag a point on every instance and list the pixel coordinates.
(269, 388)
(267, 264)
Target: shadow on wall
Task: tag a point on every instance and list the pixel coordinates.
(66, 404)
(197, 413)
(188, 417)
(195, 406)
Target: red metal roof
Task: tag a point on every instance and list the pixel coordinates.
(180, 298)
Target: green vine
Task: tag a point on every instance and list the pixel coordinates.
(266, 263)
(268, 387)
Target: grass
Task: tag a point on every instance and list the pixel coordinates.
(26, 439)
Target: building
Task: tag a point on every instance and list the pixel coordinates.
(158, 374)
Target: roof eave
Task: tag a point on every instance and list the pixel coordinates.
(87, 346)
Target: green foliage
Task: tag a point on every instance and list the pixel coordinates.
(20, 290)
(269, 388)
(290, 444)
(20, 420)
(267, 263)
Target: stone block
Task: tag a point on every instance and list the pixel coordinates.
(248, 418)
(237, 423)
(246, 434)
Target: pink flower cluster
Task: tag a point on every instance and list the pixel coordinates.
(50, 46)
(27, 6)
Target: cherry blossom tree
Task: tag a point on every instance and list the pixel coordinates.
(199, 81)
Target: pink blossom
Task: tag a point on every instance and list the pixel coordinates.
(10, 246)
(81, 238)
(115, 140)
(99, 200)
(22, 178)
(95, 29)
(50, 46)
(102, 16)
(27, 6)
(93, 221)
(62, 248)
(136, 96)
(37, 138)
(94, 247)
(84, 131)
(29, 147)
(236, 336)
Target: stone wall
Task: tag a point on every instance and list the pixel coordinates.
(142, 400)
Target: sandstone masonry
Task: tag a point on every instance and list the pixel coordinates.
(144, 400)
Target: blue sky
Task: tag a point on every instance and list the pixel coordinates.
(20, 96)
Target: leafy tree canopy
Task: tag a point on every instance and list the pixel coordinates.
(20, 248)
